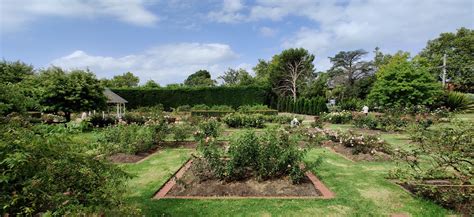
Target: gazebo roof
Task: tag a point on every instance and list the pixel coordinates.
(113, 97)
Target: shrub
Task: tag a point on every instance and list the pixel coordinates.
(351, 104)
(271, 155)
(312, 106)
(338, 117)
(237, 120)
(40, 173)
(131, 118)
(183, 108)
(233, 96)
(249, 108)
(208, 128)
(181, 132)
(369, 122)
(456, 101)
(129, 139)
(318, 122)
(222, 108)
(98, 121)
(200, 107)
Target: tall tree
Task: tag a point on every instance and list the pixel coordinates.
(151, 84)
(127, 79)
(349, 66)
(459, 50)
(75, 91)
(237, 77)
(14, 72)
(402, 82)
(289, 70)
(200, 78)
(262, 72)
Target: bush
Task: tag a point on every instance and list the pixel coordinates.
(222, 108)
(173, 97)
(208, 128)
(351, 104)
(249, 108)
(129, 139)
(98, 121)
(362, 143)
(343, 117)
(200, 107)
(313, 106)
(368, 122)
(40, 173)
(237, 120)
(181, 132)
(131, 118)
(271, 155)
(456, 101)
(183, 108)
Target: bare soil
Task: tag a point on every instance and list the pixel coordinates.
(131, 158)
(190, 185)
(347, 152)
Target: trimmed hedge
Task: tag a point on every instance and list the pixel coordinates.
(313, 106)
(214, 113)
(174, 97)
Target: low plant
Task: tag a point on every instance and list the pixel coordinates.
(97, 120)
(200, 107)
(207, 128)
(183, 108)
(181, 132)
(133, 118)
(238, 120)
(343, 117)
(222, 108)
(457, 101)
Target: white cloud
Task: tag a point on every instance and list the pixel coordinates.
(165, 64)
(229, 13)
(17, 14)
(267, 31)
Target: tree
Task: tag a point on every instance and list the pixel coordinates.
(127, 79)
(459, 50)
(200, 78)
(349, 66)
(75, 91)
(316, 87)
(402, 83)
(262, 72)
(237, 77)
(151, 84)
(14, 72)
(289, 70)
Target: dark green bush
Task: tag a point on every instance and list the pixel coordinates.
(250, 108)
(181, 132)
(131, 118)
(351, 104)
(200, 107)
(456, 101)
(368, 122)
(183, 108)
(98, 121)
(41, 173)
(234, 96)
(207, 128)
(313, 106)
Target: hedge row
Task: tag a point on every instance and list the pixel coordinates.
(313, 106)
(214, 113)
(174, 97)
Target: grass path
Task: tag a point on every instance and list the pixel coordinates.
(360, 188)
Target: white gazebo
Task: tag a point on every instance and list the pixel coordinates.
(113, 98)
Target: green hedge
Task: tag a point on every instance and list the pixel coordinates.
(214, 113)
(313, 106)
(174, 97)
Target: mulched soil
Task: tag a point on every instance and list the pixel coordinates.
(190, 185)
(131, 158)
(347, 152)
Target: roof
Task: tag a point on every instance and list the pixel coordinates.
(113, 97)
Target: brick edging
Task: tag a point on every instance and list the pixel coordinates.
(163, 191)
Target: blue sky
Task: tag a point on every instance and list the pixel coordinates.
(168, 40)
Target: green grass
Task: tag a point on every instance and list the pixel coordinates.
(361, 190)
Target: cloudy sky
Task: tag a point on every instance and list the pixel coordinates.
(167, 40)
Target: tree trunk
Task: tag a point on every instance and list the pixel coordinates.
(67, 116)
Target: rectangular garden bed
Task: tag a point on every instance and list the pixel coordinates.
(185, 185)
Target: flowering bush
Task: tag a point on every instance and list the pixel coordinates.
(338, 117)
(237, 120)
(207, 128)
(359, 143)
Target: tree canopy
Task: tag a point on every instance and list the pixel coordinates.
(349, 66)
(459, 50)
(402, 82)
(75, 91)
(200, 78)
(127, 79)
(237, 77)
(151, 84)
(14, 72)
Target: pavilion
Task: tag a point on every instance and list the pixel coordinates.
(115, 100)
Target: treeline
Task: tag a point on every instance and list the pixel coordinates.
(312, 106)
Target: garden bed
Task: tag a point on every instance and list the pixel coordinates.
(348, 153)
(131, 158)
(185, 184)
(457, 197)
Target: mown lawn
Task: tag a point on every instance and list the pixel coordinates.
(360, 187)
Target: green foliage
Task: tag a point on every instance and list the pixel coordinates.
(234, 96)
(363, 143)
(41, 173)
(97, 120)
(238, 120)
(221, 108)
(343, 117)
(313, 106)
(271, 155)
(251, 108)
(151, 84)
(132, 118)
(14, 72)
(458, 47)
(70, 92)
(183, 108)
(200, 78)
(207, 128)
(181, 132)
(348, 66)
(129, 139)
(237, 77)
(125, 80)
(351, 104)
(456, 101)
(12, 99)
(402, 83)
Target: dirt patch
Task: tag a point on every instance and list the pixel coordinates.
(175, 144)
(131, 158)
(189, 185)
(348, 153)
